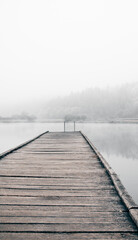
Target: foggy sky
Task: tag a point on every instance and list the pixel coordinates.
(54, 47)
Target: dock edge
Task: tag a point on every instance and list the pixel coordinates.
(125, 197)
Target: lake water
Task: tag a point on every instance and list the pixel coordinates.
(118, 143)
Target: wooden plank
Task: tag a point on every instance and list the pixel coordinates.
(67, 192)
(69, 227)
(57, 187)
(66, 236)
(14, 211)
(50, 174)
(48, 156)
(61, 200)
(56, 168)
(62, 208)
(61, 219)
(56, 163)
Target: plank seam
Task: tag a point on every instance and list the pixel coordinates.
(61, 232)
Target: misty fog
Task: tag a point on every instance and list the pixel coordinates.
(92, 104)
(79, 52)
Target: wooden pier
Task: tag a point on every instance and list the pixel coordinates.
(59, 187)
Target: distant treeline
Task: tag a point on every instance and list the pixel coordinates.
(113, 104)
(24, 117)
(95, 104)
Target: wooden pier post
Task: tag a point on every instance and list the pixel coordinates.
(74, 127)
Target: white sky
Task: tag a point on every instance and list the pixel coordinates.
(53, 47)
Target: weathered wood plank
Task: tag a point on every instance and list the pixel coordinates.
(69, 227)
(74, 193)
(56, 219)
(66, 236)
(51, 174)
(11, 211)
(61, 200)
(63, 208)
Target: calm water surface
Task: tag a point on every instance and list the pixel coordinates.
(118, 143)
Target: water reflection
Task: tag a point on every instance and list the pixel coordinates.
(13, 134)
(118, 143)
(118, 139)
